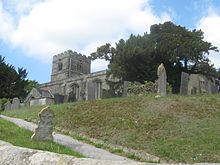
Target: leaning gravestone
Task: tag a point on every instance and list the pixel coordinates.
(162, 80)
(184, 83)
(8, 105)
(45, 127)
(15, 103)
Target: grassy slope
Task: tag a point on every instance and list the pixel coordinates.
(20, 137)
(175, 128)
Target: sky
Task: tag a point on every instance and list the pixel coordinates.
(32, 31)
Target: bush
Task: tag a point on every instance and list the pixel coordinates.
(146, 88)
(2, 103)
(169, 88)
(140, 89)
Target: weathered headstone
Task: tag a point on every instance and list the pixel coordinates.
(91, 90)
(58, 98)
(125, 88)
(45, 127)
(8, 105)
(184, 83)
(162, 80)
(15, 103)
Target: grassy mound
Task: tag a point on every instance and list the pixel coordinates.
(175, 128)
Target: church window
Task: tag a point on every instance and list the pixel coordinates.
(79, 67)
(60, 66)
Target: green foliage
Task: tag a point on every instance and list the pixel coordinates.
(141, 89)
(13, 82)
(2, 103)
(21, 137)
(169, 88)
(180, 49)
(30, 85)
(115, 88)
(146, 88)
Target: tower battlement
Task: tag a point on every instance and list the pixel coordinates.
(69, 64)
(74, 55)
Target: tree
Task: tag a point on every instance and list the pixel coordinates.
(181, 50)
(12, 82)
(137, 58)
(30, 85)
(130, 60)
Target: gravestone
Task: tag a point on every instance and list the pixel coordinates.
(44, 129)
(58, 98)
(15, 103)
(162, 80)
(8, 105)
(184, 83)
(125, 88)
(91, 90)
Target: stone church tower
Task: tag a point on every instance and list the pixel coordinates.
(69, 64)
(72, 80)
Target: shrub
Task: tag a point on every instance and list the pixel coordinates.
(146, 88)
(2, 103)
(140, 89)
(169, 88)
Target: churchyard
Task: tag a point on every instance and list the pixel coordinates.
(175, 128)
(15, 135)
(150, 125)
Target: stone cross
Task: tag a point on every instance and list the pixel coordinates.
(45, 126)
(162, 80)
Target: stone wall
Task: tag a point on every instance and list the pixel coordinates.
(84, 87)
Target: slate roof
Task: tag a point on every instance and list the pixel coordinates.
(45, 93)
(39, 93)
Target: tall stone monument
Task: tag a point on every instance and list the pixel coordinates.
(162, 80)
(184, 83)
(45, 127)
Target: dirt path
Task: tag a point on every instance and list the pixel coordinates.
(83, 148)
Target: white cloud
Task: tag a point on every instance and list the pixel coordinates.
(6, 24)
(53, 26)
(210, 25)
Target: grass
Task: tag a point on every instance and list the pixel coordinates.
(176, 128)
(20, 137)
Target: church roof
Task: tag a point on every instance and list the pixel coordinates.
(36, 93)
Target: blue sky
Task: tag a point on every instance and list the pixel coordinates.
(32, 31)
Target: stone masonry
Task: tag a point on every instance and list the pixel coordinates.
(69, 64)
(71, 79)
(45, 126)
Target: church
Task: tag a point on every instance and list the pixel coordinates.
(72, 80)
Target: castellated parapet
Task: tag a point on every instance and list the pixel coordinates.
(69, 64)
